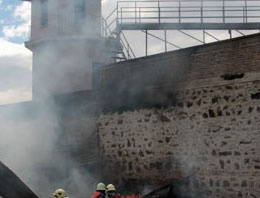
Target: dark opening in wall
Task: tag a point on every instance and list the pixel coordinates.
(232, 76)
(255, 96)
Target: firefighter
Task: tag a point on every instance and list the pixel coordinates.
(111, 191)
(60, 193)
(100, 192)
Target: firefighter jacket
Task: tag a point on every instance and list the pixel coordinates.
(99, 195)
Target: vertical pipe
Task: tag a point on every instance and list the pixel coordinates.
(146, 42)
(165, 39)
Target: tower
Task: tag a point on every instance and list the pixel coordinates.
(66, 42)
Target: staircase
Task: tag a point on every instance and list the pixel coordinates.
(117, 41)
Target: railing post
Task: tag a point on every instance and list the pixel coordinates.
(121, 19)
(204, 38)
(224, 20)
(246, 10)
(128, 55)
(230, 33)
(201, 11)
(146, 42)
(135, 12)
(165, 39)
(117, 14)
(179, 11)
(159, 12)
(104, 27)
(139, 14)
(243, 14)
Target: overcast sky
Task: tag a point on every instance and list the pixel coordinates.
(16, 60)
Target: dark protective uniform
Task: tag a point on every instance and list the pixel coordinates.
(113, 195)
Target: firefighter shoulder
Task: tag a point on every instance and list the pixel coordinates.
(60, 193)
(100, 191)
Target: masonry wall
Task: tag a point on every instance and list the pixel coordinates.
(131, 84)
(206, 126)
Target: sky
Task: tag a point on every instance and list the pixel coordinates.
(16, 60)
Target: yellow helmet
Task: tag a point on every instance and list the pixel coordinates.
(101, 186)
(60, 193)
(111, 187)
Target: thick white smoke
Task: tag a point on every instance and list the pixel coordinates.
(28, 146)
(32, 141)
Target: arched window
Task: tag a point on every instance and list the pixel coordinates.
(80, 13)
(44, 12)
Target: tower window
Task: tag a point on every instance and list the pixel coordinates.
(44, 12)
(79, 11)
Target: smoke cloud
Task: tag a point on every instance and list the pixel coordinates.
(31, 148)
(33, 139)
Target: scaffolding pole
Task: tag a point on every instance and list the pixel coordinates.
(146, 42)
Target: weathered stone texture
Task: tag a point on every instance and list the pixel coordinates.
(208, 126)
(211, 133)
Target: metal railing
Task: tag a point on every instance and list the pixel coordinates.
(126, 51)
(192, 11)
(184, 15)
(185, 11)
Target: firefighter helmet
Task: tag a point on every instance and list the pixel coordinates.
(101, 186)
(59, 193)
(111, 187)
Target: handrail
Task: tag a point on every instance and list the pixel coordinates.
(164, 12)
(133, 54)
(189, 17)
(111, 14)
(136, 11)
(194, 1)
(111, 23)
(107, 32)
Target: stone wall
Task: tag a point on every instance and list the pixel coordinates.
(208, 130)
(212, 132)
